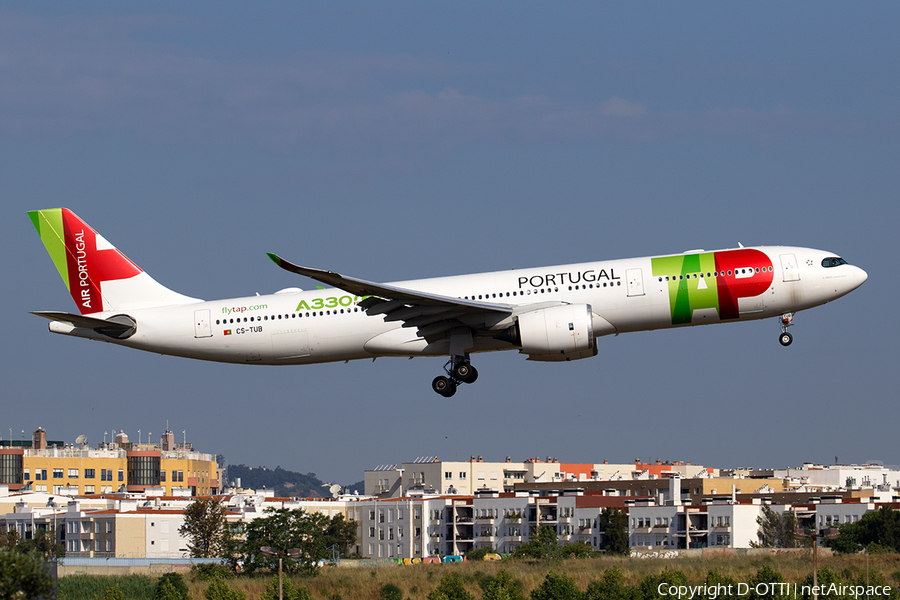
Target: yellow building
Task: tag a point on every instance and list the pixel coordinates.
(174, 469)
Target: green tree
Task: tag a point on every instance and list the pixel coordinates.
(171, 586)
(881, 527)
(502, 587)
(543, 544)
(166, 591)
(576, 550)
(311, 533)
(767, 574)
(556, 587)
(614, 526)
(288, 591)
(219, 590)
(22, 575)
(206, 528)
(450, 588)
(42, 543)
(609, 587)
(650, 586)
(776, 530)
(112, 592)
(725, 587)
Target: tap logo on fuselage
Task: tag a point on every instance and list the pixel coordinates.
(713, 280)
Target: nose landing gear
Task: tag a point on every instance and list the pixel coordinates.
(459, 370)
(785, 339)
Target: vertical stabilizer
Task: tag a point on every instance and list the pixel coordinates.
(98, 276)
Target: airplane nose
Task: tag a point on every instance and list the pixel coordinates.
(860, 276)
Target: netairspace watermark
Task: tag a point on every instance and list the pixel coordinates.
(711, 592)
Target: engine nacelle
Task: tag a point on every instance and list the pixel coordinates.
(555, 334)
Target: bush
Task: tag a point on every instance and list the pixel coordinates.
(450, 588)
(556, 587)
(112, 592)
(288, 591)
(171, 586)
(502, 587)
(219, 590)
(479, 553)
(389, 591)
(210, 571)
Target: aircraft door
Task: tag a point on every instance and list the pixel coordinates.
(635, 281)
(202, 327)
(789, 268)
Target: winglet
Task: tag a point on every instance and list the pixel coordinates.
(275, 258)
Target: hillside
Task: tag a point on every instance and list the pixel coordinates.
(281, 481)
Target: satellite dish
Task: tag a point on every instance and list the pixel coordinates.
(335, 490)
(81, 440)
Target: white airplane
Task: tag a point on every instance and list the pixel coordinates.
(547, 313)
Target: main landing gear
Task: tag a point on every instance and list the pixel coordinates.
(459, 370)
(785, 339)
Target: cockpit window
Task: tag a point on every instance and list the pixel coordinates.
(833, 261)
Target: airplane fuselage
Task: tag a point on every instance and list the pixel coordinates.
(324, 325)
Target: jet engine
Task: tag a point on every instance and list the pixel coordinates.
(556, 333)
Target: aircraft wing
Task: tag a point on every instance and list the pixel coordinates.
(432, 314)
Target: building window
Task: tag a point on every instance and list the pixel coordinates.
(73, 473)
(89, 474)
(88, 489)
(448, 475)
(57, 473)
(121, 475)
(27, 474)
(162, 475)
(462, 474)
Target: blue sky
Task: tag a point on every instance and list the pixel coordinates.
(407, 140)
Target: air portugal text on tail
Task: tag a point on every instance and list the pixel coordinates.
(549, 314)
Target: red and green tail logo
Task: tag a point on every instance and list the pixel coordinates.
(83, 257)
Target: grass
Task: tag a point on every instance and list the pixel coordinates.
(416, 581)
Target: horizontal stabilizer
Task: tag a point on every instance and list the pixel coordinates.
(120, 328)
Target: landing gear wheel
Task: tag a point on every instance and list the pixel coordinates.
(465, 372)
(444, 386)
(785, 339)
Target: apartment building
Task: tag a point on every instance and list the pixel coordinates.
(77, 469)
(431, 475)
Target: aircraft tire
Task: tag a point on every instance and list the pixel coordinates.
(465, 372)
(443, 386)
(785, 339)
